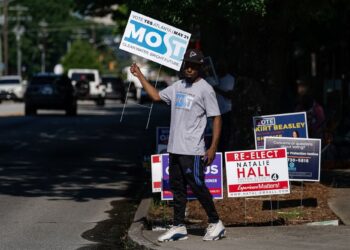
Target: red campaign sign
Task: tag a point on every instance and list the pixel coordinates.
(157, 184)
(155, 158)
(255, 155)
(257, 172)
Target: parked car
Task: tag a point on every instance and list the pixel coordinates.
(50, 91)
(88, 85)
(144, 97)
(12, 87)
(115, 88)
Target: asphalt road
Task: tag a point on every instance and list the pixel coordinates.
(60, 176)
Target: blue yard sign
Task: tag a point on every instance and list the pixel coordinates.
(304, 156)
(213, 179)
(281, 125)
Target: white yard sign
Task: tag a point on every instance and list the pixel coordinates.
(156, 169)
(257, 172)
(155, 41)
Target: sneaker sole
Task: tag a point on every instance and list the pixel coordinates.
(218, 237)
(176, 239)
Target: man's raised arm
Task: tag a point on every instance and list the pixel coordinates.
(151, 91)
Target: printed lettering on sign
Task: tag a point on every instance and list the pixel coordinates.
(279, 125)
(213, 179)
(304, 156)
(154, 40)
(265, 121)
(257, 172)
(162, 138)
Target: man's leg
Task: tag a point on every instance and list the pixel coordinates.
(193, 169)
(178, 187)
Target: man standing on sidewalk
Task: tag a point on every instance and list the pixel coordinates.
(192, 100)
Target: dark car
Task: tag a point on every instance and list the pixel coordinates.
(115, 88)
(50, 91)
(145, 97)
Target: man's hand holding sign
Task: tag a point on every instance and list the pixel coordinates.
(151, 91)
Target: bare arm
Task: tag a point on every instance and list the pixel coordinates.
(151, 91)
(210, 154)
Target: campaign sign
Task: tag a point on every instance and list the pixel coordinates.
(281, 125)
(213, 179)
(155, 41)
(162, 139)
(257, 172)
(156, 170)
(304, 156)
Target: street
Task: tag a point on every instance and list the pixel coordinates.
(59, 174)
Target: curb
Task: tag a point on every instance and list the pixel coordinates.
(135, 236)
(339, 205)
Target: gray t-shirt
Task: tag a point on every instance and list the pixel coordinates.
(191, 104)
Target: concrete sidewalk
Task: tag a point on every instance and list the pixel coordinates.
(271, 237)
(252, 238)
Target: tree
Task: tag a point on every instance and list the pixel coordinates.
(267, 42)
(53, 13)
(63, 26)
(82, 55)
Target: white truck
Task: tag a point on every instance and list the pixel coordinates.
(88, 85)
(12, 87)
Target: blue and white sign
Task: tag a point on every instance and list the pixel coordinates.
(162, 139)
(155, 40)
(304, 156)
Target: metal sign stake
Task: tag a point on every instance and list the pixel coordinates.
(155, 85)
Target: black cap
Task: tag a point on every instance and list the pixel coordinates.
(194, 56)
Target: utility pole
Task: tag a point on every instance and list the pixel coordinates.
(42, 46)
(5, 36)
(19, 30)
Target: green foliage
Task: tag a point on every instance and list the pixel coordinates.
(187, 12)
(55, 13)
(63, 26)
(81, 55)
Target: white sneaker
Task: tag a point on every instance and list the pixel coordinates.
(174, 233)
(215, 231)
